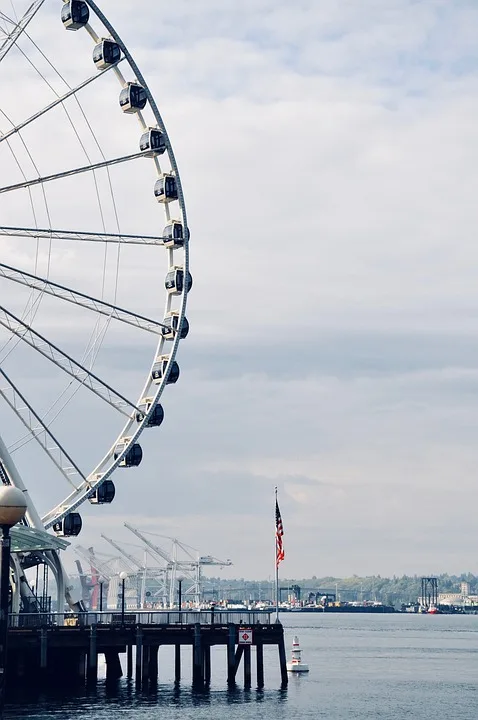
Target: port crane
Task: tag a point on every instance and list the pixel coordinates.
(189, 569)
(156, 578)
(106, 570)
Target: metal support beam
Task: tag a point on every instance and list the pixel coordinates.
(70, 173)
(238, 658)
(78, 235)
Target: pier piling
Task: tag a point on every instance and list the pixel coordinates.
(43, 652)
(207, 664)
(113, 665)
(177, 663)
(92, 670)
(145, 662)
(139, 657)
(153, 664)
(231, 661)
(247, 665)
(283, 661)
(198, 656)
(260, 664)
(129, 661)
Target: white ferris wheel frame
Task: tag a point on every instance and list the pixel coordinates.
(84, 484)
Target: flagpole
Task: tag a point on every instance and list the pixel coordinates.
(277, 570)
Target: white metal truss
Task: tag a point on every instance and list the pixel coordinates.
(39, 234)
(77, 298)
(35, 425)
(134, 562)
(18, 27)
(60, 100)
(64, 361)
(71, 172)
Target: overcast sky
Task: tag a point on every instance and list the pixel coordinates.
(329, 158)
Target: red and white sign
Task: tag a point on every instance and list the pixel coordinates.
(245, 636)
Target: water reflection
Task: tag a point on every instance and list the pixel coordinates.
(104, 699)
(124, 693)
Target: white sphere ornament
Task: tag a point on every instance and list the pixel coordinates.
(123, 575)
(13, 505)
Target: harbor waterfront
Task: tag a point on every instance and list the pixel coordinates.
(361, 666)
(51, 648)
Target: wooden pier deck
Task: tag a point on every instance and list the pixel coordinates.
(52, 648)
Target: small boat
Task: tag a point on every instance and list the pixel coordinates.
(295, 665)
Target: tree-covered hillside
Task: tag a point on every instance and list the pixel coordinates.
(391, 591)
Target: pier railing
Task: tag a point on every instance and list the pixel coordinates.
(245, 618)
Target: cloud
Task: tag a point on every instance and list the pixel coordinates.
(328, 153)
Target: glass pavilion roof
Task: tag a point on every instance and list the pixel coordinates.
(27, 539)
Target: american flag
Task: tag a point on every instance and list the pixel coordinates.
(279, 533)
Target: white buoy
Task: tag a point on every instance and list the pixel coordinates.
(295, 665)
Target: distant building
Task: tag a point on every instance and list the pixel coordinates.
(458, 599)
(450, 599)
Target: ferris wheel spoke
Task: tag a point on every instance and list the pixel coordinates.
(55, 103)
(77, 298)
(77, 235)
(73, 172)
(40, 432)
(65, 362)
(18, 27)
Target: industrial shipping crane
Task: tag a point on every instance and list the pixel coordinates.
(154, 578)
(159, 552)
(158, 583)
(189, 569)
(106, 570)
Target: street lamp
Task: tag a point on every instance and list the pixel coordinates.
(123, 577)
(12, 509)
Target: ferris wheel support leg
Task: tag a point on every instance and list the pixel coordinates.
(65, 590)
(17, 573)
(26, 594)
(15, 479)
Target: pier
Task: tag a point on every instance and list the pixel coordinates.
(52, 647)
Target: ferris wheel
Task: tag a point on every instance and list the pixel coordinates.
(95, 283)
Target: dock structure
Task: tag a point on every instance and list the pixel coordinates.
(51, 647)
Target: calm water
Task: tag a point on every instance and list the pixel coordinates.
(370, 666)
